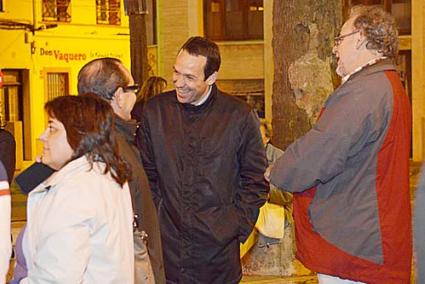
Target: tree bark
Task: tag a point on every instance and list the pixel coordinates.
(303, 32)
(138, 40)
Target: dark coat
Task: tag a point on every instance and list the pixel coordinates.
(141, 195)
(8, 152)
(136, 113)
(205, 165)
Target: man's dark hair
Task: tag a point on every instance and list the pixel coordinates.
(102, 76)
(201, 46)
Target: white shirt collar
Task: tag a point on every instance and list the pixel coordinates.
(203, 100)
(370, 62)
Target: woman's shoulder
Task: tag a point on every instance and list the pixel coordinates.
(81, 178)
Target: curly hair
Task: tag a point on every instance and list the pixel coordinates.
(88, 122)
(379, 28)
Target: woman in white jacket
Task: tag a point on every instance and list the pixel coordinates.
(5, 245)
(79, 221)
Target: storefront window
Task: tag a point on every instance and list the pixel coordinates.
(108, 12)
(57, 10)
(57, 85)
(250, 91)
(233, 19)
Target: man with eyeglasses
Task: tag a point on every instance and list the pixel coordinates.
(350, 172)
(109, 79)
(203, 154)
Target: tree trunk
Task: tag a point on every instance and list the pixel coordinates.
(138, 40)
(303, 32)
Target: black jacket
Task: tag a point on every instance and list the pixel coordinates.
(141, 195)
(8, 152)
(205, 165)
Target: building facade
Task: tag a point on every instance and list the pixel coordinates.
(44, 43)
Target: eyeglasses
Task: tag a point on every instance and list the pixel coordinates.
(340, 38)
(132, 88)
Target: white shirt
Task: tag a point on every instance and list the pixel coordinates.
(371, 62)
(79, 228)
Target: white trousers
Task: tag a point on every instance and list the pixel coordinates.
(327, 279)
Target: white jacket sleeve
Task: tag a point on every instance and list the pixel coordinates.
(5, 244)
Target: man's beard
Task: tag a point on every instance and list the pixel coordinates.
(340, 70)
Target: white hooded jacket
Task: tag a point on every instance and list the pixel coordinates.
(79, 228)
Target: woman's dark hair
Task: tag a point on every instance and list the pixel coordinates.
(153, 86)
(88, 121)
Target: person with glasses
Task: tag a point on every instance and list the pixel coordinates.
(109, 79)
(350, 172)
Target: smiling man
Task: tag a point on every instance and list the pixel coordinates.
(350, 172)
(203, 154)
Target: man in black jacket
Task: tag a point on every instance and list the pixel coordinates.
(109, 79)
(203, 154)
(7, 151)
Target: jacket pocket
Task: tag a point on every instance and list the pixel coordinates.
(218, 224)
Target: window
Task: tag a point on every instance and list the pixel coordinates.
(233, 19)
(1, 6)
(15, 110)
(11, 96)
(57, 85)
(57, 10)
(400, 9)
(249, 90)
(108, 12)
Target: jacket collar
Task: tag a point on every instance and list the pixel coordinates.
(74, 166)
(203, 106)
(126, 127)
(380, 66)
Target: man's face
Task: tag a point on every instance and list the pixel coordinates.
(345, 49)
(124, 97)
(188, 78)
(129, 98)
